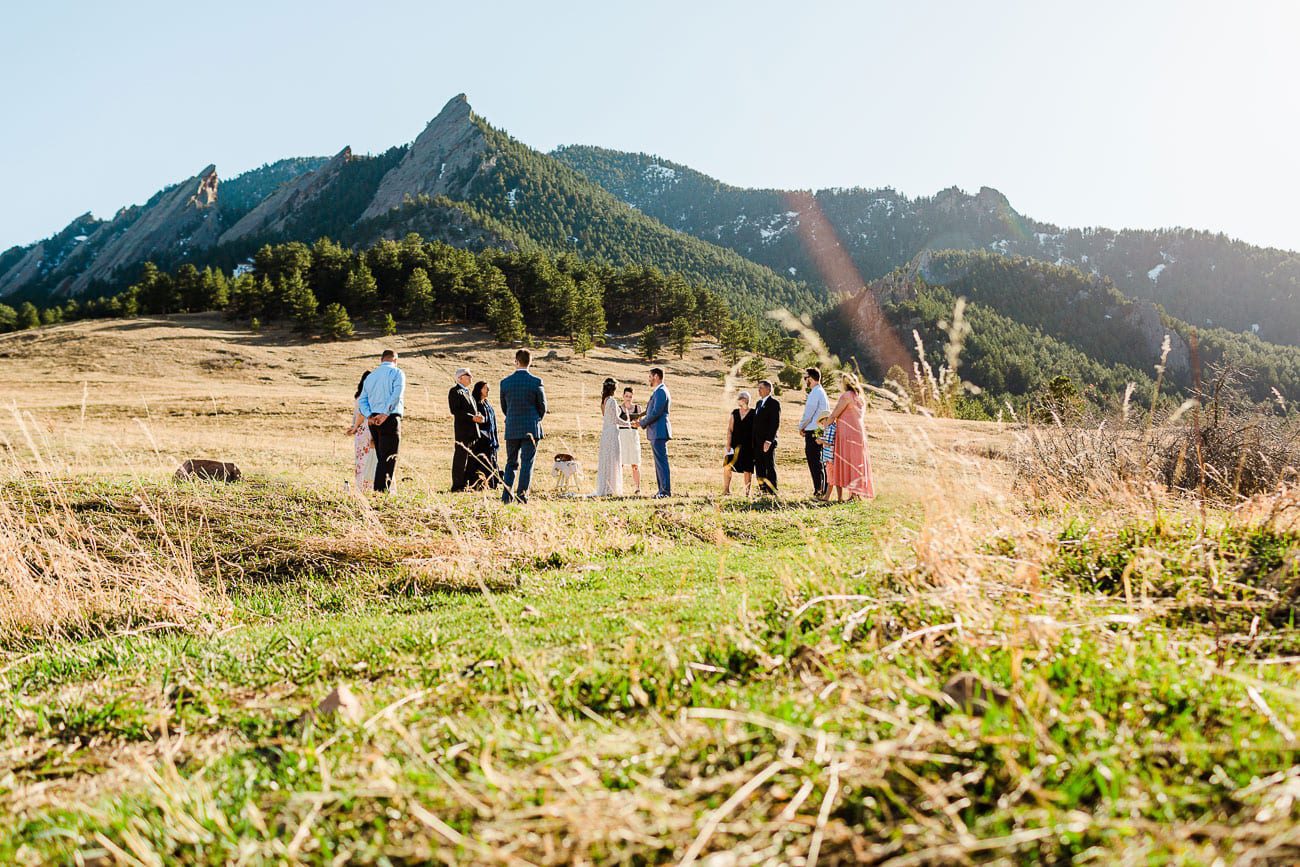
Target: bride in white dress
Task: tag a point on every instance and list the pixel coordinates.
(609, 466)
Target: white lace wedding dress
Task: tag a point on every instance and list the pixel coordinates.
(609, 466)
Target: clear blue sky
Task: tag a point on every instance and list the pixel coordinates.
(1140, 114)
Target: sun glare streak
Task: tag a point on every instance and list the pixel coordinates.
(871, 329)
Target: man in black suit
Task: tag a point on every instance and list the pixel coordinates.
(466, 417)
(767, 421)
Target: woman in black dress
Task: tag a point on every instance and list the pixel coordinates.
(483, 467)
(740, 445)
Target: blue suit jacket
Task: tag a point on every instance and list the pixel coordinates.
(655, 422)
(523, 400)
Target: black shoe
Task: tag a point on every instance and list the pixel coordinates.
(522, 498)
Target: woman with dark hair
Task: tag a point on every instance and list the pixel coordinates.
(609, 466)
(363, 446)
(483, 469)
(629, 436)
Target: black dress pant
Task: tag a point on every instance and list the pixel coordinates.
(460, 465)
(812, 452)
(765, 468)
(388, 439)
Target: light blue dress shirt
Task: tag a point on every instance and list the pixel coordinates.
(383, 392)
(815, 406)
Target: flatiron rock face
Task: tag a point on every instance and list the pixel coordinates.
(180, 218)
(273, 214)
(441, 162)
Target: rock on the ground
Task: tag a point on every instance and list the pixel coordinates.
(971, 694)
(343, 702)
(196, 468)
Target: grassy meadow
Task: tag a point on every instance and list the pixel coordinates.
(701, 680)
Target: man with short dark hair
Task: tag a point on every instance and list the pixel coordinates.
(523, 400)
(814, 406)
(659, 430)
(767, 421)
(465, 421)
(381, 402)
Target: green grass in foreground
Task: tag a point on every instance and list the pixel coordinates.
(640, 682)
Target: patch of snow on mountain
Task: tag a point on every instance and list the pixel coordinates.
(79, 238)
(1154, 273)
(793, 270)
(512, 198)
(660, 173)
(999, 245)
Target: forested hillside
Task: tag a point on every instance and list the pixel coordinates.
(1204, 278)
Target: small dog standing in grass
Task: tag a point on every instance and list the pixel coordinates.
(567, 470)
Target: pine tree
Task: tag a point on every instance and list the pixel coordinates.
(504, 316)
(361, 292)
(417, 297)
(334, 322)
(28, 316)
(156, 291)
(679, 335)
(731, 339)
(589, 315)
(754, 369)
(299, 300)
(389, 325)
(649, 343)
(8, 318)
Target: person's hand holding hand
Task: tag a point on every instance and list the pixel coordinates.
(767, 447)
(378, 418)
(478, 419)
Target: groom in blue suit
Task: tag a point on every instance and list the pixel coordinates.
(523, 400)
(659, 430)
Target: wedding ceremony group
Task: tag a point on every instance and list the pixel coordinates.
(834, 437)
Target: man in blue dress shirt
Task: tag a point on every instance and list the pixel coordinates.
(381, 403)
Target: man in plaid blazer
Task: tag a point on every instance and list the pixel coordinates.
(523, 400)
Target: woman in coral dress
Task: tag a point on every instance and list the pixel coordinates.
(851, 467)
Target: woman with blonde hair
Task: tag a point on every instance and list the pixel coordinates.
(850, 469)
(738, 454)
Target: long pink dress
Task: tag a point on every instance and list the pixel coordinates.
(364, 458)
(851, 466)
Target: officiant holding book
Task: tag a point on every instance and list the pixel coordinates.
(629, 436)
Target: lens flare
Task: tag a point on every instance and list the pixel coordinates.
(870, 329)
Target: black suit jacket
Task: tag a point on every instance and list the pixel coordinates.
(463, 409)
(767, 422)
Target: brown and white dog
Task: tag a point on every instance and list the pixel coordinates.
(567, 470)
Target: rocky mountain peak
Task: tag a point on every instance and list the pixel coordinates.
(442, 160)
(182, 217)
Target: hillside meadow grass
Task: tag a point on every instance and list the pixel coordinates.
(704, 680)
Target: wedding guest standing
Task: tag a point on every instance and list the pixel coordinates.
(629, 436)
(483, 468)
(814, 406)
(851, 464)
(767, 422)
(523, 400)
(466, 419)
(739, 456)
(381, 402)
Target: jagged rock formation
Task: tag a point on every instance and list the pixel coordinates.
(272, 216)
(23, 266)
(443, 161)
(182, 217)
